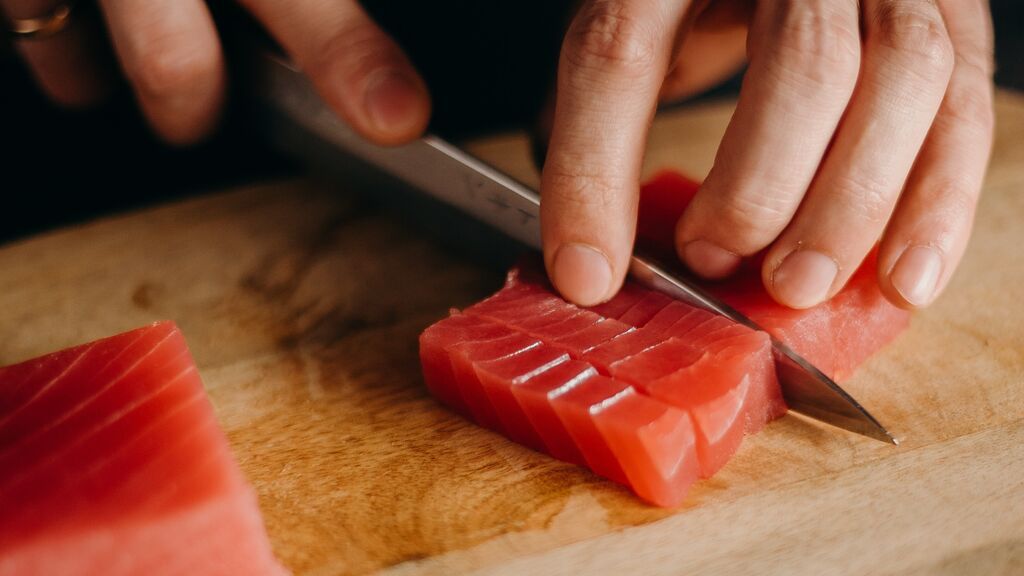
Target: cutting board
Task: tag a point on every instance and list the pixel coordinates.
(302, 304)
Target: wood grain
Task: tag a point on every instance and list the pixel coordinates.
(302, 305)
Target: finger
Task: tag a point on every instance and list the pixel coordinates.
(720, 29)
(804, 61)
(68, 66)
(613, 61)
(358, 70)
(171, 56)
(907, 63)
(932, 223)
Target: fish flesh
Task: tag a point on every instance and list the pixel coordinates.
(112, 462)
(654, 396)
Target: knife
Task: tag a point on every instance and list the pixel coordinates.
(447, 173)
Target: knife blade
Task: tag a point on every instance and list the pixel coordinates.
(449, 174)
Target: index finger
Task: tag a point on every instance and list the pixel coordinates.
(611, 68)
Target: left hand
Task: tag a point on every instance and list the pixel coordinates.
(856, 121)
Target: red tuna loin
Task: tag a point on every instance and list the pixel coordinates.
(642, 389)
(566, 386)
(111, 462)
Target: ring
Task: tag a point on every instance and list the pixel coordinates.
(42, 26)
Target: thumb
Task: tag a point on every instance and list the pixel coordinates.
(611, 68)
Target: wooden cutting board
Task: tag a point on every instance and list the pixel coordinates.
(302, 306)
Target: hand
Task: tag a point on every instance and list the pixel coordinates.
(856, 121)
(171, 55)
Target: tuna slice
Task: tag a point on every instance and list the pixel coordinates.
(642, 389)
(111, 462)
(631, 401)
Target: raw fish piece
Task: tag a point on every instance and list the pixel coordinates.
(644, 309)
(581, 342)
(437, 366)
(535, 396)
(654, 442)
(111, 462)
(464, 357)
(574, 409)
(500, 377)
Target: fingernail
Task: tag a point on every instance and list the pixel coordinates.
(804, 278)
(582, 274)
(710, 260)
(390, 100)
(916, 274)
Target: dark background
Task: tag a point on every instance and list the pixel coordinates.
(488, 65)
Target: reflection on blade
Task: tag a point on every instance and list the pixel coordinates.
(810, 392)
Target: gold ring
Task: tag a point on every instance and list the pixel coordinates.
(42, 26)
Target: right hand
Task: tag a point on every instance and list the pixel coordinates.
(171, 55)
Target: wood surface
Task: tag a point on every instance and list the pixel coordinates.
(302, 306)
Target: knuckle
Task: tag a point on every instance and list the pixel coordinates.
(914, 31)
(581, 190)
(750, 222)
(956, 196)
(946, 208)
(172, 65)
(977, 58)
(821, 44)
(607, 36)
(357, 48)
(969, 104)
(867, 200)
